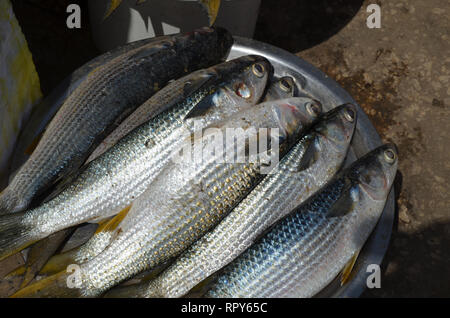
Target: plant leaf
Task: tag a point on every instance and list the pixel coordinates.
(212, 8)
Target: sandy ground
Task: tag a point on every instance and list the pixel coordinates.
(399, 74)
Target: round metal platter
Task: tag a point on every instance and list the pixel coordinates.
(308, 79)
(317, 84)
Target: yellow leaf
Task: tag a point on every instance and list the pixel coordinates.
(212, 7)
(112, 6)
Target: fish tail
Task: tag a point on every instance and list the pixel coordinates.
(55, 286)
(15, 234)
(59, 262)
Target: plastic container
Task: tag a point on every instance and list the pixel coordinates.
(131, 21)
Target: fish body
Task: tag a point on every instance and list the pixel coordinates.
(307, 249)
(188, 197)
(110, 92)
(44, 111)
(114, 180)
(308, 166)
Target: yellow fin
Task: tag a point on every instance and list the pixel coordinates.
(33, 144)
(52, 286)
(212, 7)
(19, 271)
(59, 262)
(113, 223)
(347, 271)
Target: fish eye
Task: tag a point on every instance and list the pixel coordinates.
(313, 108)
(389, 156)
(242, 90)
(349, 114)
(258, 69)
(285, 85)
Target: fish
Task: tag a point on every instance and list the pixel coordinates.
(110, 183)
(110, 93)
(307, 167)
(307, 249)
(279, 89)
(188, 197)
(45, 110)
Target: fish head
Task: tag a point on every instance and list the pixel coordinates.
(248, 86)
(280, 89)
(327, 144)
(295, 114)
(337, 126)
(375, 172)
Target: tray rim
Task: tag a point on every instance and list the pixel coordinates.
(377, 244)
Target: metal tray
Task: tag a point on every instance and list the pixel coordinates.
(308, 79)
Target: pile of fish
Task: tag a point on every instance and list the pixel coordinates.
(140, 145)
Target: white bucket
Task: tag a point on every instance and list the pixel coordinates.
(131, 22)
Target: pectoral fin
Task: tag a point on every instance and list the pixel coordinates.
(344, 204)
(113, 223)
(29, 150)
(310, 156)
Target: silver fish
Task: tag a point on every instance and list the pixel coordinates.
(114, 180)
(109, 93)
(187, 198)
(279, 89)
(47, 108)
(308, 166)
(306, 250)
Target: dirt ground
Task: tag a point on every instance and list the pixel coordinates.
(399, 74)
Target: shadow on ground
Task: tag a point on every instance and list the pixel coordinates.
(298, 25)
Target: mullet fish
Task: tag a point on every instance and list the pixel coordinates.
(306, 250)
